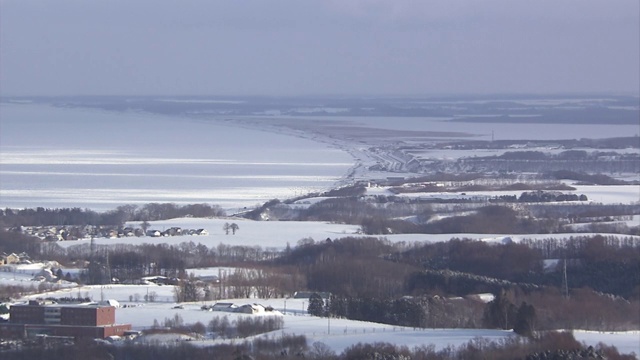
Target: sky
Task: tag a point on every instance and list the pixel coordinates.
(328, 47)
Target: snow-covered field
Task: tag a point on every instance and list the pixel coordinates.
(612, 194)
(27, 276)
(276, 234)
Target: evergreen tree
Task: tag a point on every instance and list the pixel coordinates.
(316, 305)
(500, 312)
(525, 320)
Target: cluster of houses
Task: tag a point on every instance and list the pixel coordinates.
(176, 231)
(8, 259)
(233, 308)
(63, 233)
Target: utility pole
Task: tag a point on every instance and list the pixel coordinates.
(565, 282)
(108, 269)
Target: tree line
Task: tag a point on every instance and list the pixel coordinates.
(41, 216)
(551, 345)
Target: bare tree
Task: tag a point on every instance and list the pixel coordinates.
(234, 227)
(320, 350)
(145, 226)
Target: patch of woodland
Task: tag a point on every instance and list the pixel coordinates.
(511, 264)
(605, 264)
(259, 212)
(8, 292)
(511, 261)
(276, 348)
(364, 283)
(582, 213)
(342, 210)
(534, 161)
(75, 216)
(430, 187)
(445, 177)
(492, 219)
(567, 155)
(15, 242)
(416, 312)
(457, 283)
(522, 166)
(218, 327)
(349, 267)
(547, 308)
(346, 191)
(381, 215)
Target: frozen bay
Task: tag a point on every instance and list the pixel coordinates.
(71, 157)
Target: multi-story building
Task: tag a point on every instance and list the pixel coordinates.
(40, 318)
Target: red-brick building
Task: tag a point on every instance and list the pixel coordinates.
(38, 318)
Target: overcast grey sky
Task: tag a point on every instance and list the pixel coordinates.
(296, 47)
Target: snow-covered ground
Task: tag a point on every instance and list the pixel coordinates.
(610, 194)
(277, 234)
(266, 234)
(10, 278)
(337, 333)
(26, 276)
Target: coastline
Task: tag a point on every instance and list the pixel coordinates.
(142, 158)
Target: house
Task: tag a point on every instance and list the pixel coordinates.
(11, 259)
(56, 237)
(202, 232)
(251, 309)
(174, 231)
(224, 306)
(154, 233)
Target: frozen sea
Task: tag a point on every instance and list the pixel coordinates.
(71, 157)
